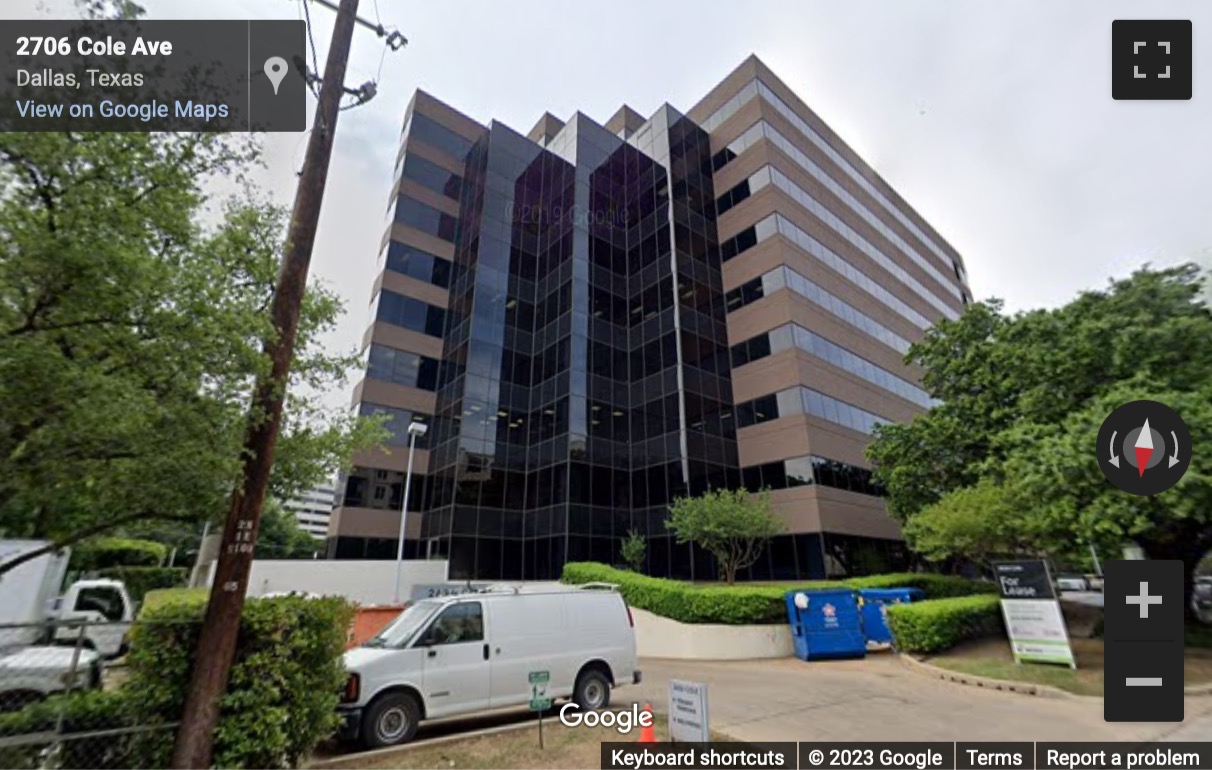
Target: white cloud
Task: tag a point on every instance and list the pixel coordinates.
(994, 119)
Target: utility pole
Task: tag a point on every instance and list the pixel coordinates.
(217, 643)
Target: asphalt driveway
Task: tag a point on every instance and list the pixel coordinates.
(879, 699)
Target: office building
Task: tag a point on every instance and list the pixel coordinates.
(595, 319)
(313, 509)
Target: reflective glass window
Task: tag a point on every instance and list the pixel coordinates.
(397, 423)
(432, 176)
(438, 136)
(416, 263)
(402, 368)
(410, 313)
(425, 218)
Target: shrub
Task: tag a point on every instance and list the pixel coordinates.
(105, 552)
(280, 702)
(633, 550)
(935, 586)
(285, 683)
(140, 580)
(741, 604)
(89, 711)
(933, 626)
(152, 600)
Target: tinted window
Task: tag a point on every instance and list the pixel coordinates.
(433, 176)
(457, 624)
(743, 240)
(427, 219)
(397, 423)
(410, 313)
(402, 368)
(415, 263)
(733, 197)
(439, 137)
(808, 470)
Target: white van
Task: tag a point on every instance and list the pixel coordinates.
(461, 654)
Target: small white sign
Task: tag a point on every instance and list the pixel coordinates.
(1037, 631)
(688, 719)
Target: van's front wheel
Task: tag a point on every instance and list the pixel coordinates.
(390, 719)
(592, 691)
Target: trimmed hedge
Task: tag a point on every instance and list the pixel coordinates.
(140, 580)
(105, 552)
(280, 702)
(935, 586)
(742, 604)
(934, 626)
(285, 683)
(153, 600)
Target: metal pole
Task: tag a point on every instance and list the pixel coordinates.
(1098, 568)
(412, 445)
(216, 645)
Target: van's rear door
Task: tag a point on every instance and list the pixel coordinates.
(529, 636)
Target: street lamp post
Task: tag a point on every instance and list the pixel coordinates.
(415, 430)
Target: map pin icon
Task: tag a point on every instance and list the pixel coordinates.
(275, 70)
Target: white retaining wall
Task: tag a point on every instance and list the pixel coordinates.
(365, 582)
(658, 637)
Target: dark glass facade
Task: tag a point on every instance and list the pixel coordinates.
(563, 328)
(585, 381)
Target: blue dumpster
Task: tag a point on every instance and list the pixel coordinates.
(826, 624)
(875, 603)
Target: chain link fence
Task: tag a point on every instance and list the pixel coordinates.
(62, 703)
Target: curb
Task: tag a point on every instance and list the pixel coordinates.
(359, 758)
(1022, 688)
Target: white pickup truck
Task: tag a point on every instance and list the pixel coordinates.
(50, 642)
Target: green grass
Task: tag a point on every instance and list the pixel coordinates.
(163, 596)
(1079, 682)
(992, 658)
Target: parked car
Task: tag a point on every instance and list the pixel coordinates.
(461, 654)
(29, 674)
(1095, 582)
(1071, 582)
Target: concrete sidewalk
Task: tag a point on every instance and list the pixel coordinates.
(879, 699)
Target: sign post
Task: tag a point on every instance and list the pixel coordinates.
(539, 700)
(1032, 611)
(688, 718)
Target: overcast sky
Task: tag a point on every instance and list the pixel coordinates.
(994, 119)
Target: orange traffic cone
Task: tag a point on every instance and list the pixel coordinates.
(647, 732)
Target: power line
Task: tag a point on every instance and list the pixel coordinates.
(310, 77)
(392, 39)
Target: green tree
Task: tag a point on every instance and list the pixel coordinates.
(633, 550)
(979, 523)
(130, 335)
(1022, 400)
(280, 536)
(732, 525)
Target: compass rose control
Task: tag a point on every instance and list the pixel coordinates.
(1144, 447)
